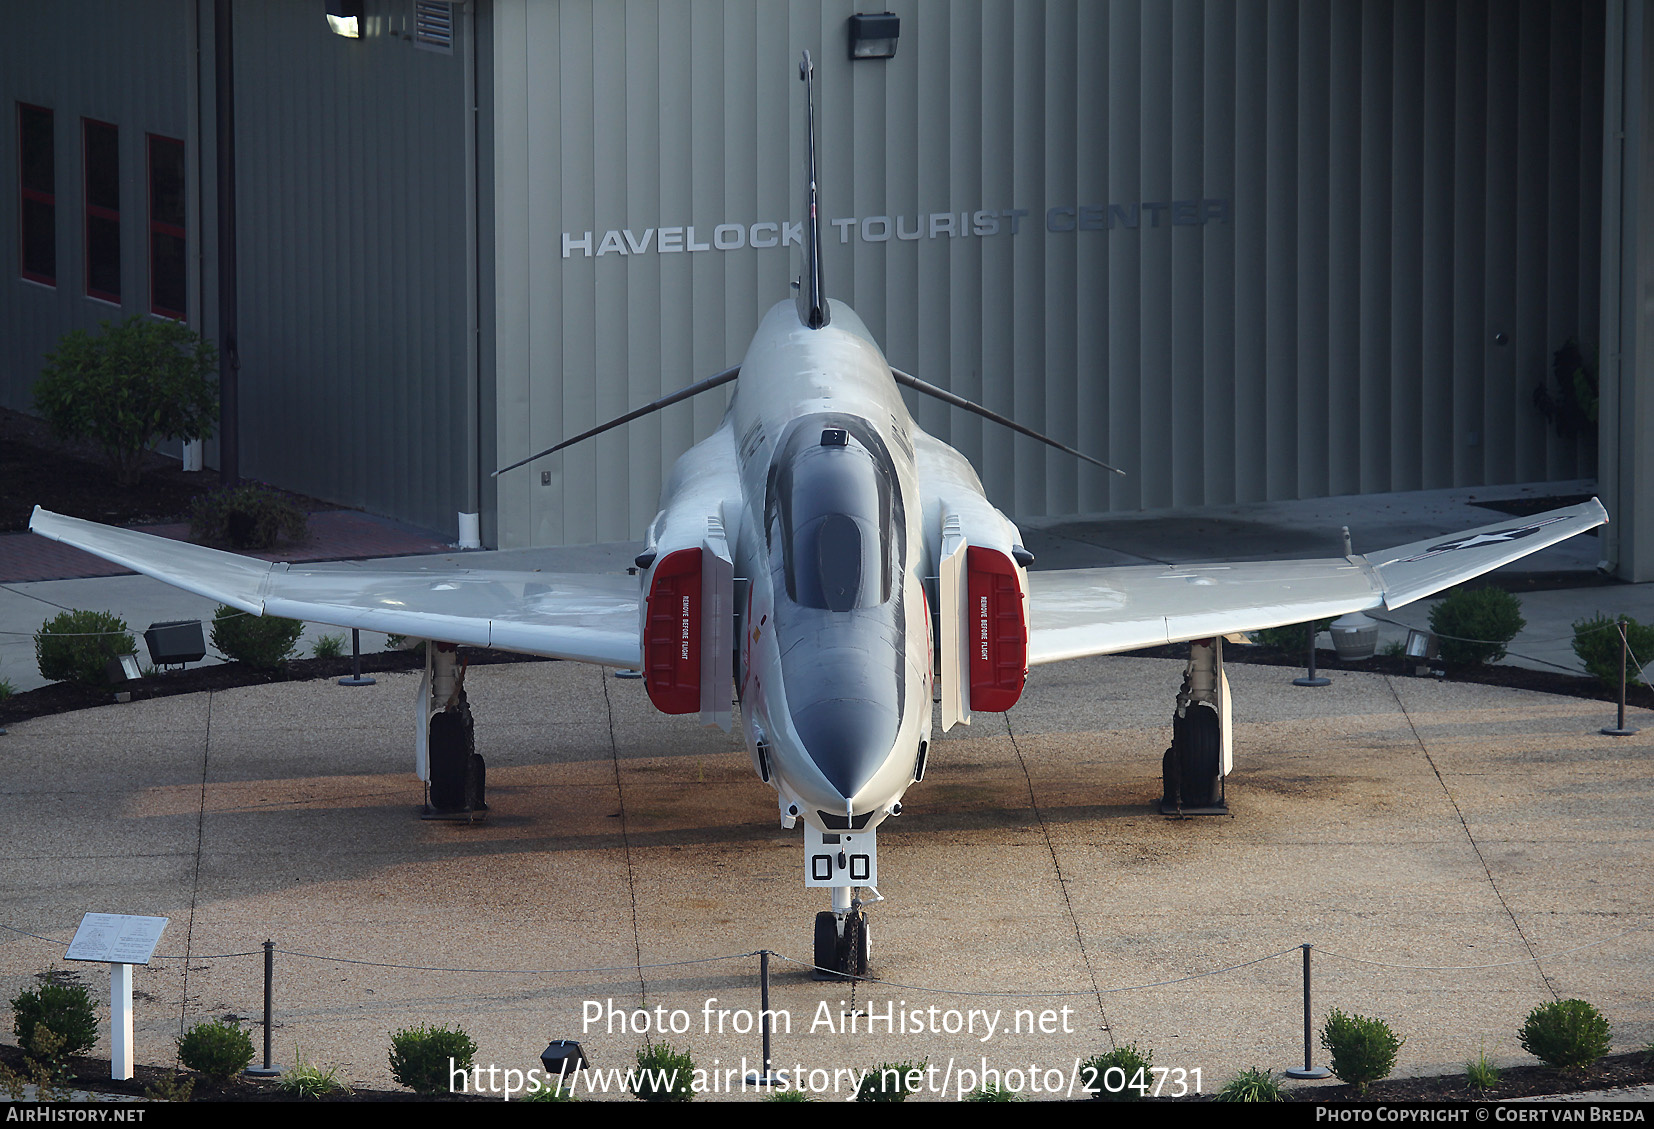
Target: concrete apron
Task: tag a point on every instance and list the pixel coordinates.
(1457, 854)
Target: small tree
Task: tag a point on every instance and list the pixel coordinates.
(133, 385)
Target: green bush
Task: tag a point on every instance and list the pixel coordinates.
(1474, 624)
(664, 1074)
(789, 1096)
(1254, 1085)
(993, 1093)
(1292, 638)
(1567, 1033)
(217, 1049)
(248, 516)
(61, 1005)
(889, 1082)
(1597, 643)
(420, 1057)
(329, 647)
(262, 642)
(76, 646)
(6, 689)
(1363, 1050)
(1125, 1074)
(131, 386)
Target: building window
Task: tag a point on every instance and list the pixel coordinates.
(166, 227)
(37, 210)
(103, 210)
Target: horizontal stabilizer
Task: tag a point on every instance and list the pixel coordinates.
(942, 394)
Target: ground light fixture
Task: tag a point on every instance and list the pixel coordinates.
(344, 17)
(874, 35)
(561, 1058)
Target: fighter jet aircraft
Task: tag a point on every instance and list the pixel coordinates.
(833, 570)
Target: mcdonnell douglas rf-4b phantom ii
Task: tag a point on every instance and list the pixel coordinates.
(845, 570)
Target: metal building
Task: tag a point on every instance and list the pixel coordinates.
(1247, 251)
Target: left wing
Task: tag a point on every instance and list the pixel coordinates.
(1098, 611)
(587, 618)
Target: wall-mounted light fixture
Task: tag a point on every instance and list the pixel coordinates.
(874, 36)
(344, 17)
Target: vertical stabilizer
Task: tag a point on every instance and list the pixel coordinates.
(812, 290)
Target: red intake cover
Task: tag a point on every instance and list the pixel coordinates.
(998, 627)
(672, 634)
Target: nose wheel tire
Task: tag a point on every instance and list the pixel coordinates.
(838, 956)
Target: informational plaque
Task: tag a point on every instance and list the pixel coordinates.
(116, 938)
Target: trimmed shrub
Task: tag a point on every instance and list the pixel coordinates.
(789, 1096)
(664, 1074)
(1125, 1074)
(1254, 1085)
(76, 646)
(1597, 643)
(1474, 624)
(62, 1006)
(248, 516)
(329, 647)
(134, 384)
(1292, 638)
(890, 1082)
(420, 1057)
(262, 642)
(217, 1049)
(1567, 1033)
(1363, 1050)
(993, 1093)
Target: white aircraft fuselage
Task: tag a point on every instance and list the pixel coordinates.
(842, 498)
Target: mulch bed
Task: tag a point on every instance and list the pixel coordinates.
(70, 478)
(1631, 1069)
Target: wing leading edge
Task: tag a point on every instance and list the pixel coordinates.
(586, 618)
(1099, 611)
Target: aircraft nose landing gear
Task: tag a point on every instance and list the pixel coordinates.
(843, 944)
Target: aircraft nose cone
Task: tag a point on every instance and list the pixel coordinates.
(848, 738)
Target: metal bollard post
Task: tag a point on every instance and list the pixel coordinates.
(356, 678)
(1309, 1069)
(1620, 730)
(267, 1070)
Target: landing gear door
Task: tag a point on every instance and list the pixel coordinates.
(952, 614)
(840, 858)
(1226, 750)
(717, 626)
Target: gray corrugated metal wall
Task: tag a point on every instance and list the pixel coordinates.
(352, 199)
(1402, 181)
(141, 88)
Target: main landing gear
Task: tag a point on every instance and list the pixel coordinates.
(843, 944)
(1194, 767)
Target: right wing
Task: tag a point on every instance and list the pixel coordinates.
(1099, 611)
(586, 618)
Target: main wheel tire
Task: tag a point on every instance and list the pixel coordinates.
(826, 949)
(1202, 756)
(864, 945)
